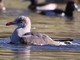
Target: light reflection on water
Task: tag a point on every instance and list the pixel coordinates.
(17, 52)
(14, 54)
(39, 55)
(43, 53)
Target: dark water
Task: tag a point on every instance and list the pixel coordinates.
(47, 52)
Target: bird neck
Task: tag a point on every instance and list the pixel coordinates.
(24, 29)
(33, 2)
(27, 27)
(69, 10)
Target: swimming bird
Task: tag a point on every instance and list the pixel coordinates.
(23, 35)
(2, 7)
(52, 10)
(68, 12)
(34, 6)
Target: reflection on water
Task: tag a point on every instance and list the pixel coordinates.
(55, 55)
(21, 55)
(14, 55)
(38, 55)
(47, 52)
(69, 24)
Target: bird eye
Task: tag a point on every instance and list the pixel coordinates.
(20, 20)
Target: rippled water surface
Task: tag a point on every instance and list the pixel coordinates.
(8, 54)
(55, 27)
(32, 52)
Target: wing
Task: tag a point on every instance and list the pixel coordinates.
(38, 38)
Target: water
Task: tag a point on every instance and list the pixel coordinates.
(55, 27)
(33, 52)
(16, 12)
(39, 55)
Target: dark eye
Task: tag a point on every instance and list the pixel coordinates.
(19, 20)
